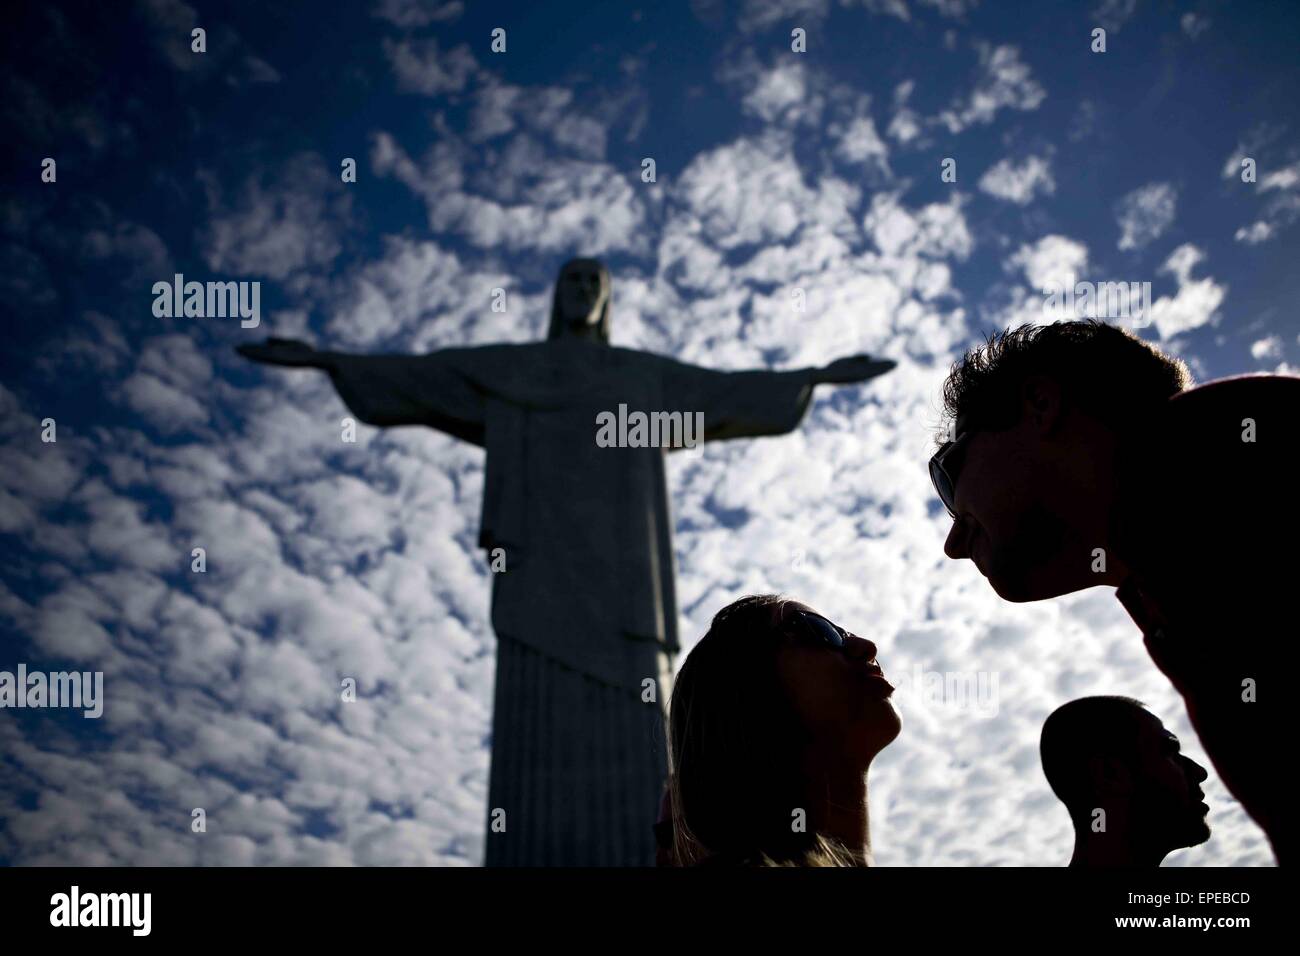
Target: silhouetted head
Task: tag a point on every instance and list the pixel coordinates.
(1112, 754)
(772, 699)
(1038, 416)
(581, 303)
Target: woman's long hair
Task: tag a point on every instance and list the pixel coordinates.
(736, 771)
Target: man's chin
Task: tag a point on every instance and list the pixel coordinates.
(1200, 833)
(1193, 837)
(1022, 588)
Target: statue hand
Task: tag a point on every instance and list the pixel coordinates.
(288, 352)
(855, 368)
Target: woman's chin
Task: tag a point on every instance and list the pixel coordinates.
(883, 725)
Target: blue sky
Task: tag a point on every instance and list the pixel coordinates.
(477, 170)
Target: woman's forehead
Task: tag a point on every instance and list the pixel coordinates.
(785, 610)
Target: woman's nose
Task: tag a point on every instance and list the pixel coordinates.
(859, 648)
(955, 545)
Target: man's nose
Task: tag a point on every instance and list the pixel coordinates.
(955, 545)
(1196, 771)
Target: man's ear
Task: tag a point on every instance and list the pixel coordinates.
(1040, 403)
(1109, 776)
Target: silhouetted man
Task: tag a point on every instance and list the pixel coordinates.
(1081, 457)
(1133, 796)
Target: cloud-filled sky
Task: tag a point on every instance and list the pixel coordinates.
(775, 170)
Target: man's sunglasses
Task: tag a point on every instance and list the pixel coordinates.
(943, 472)
(816, 628)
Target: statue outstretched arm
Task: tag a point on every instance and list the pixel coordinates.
(287, 352)
(388, 390)
(851, 370)
(760, 402)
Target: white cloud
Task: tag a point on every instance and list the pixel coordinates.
(421, 66)
(1266, 349)
(936, 230)
(1003, 81)
(777, 92)
(98, 345)
(1113, 14)
(951, 8)
(138, 247)
(1255, 233)
(1018, 183)
(1194, 24)
(1280, 188)
(860, 143)
(1194, 304)
(227, 56)
(905, 126)
(1288, 177)
(1258, 141)
(418, 13)
(281, 222)
(1052, 262)
(890, 8)
(1145, 213)
(758, 15)
(573, 203)
(547, 113)
(166, 408)
(420, 288)
(1182, 261)
(1232, 166)
(746, 192)
(1083, 123)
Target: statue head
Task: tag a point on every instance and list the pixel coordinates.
(581, 304)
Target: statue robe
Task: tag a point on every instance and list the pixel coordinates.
(585, 610)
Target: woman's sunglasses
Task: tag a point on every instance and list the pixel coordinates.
(816, 628)
(943, 472)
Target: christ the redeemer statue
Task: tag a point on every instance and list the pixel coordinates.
(584, 610)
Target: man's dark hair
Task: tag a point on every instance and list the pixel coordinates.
(1080, 730)
(1104, 370)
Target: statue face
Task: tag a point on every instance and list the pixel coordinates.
(583, 290)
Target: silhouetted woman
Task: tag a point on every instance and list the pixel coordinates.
(775, 718)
